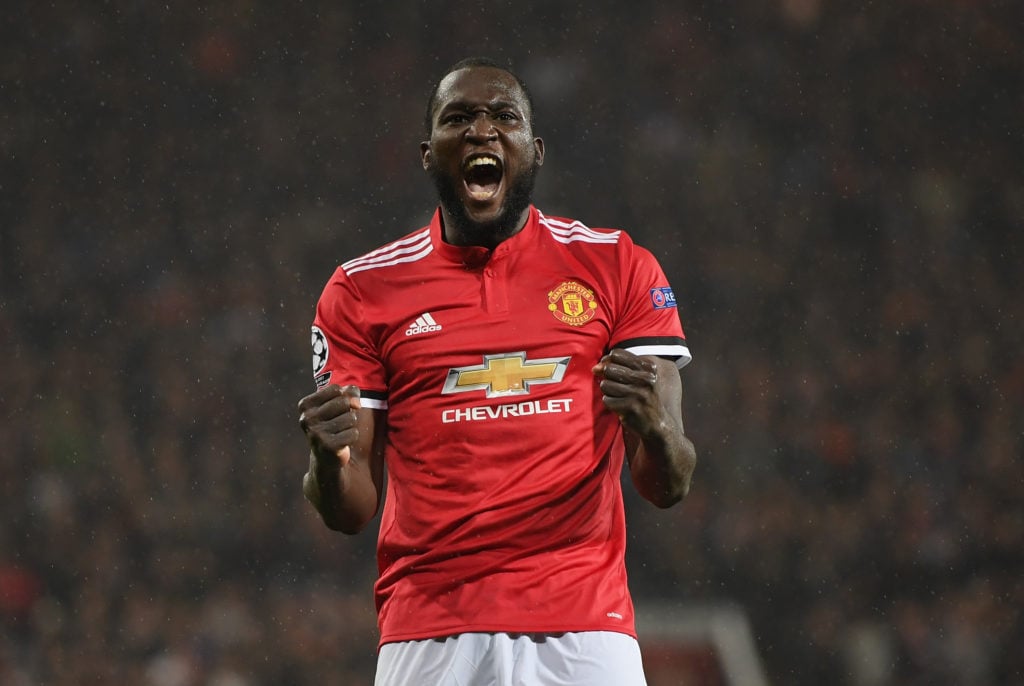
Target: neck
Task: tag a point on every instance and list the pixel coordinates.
(459, 230)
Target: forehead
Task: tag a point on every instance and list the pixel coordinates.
(480, 85)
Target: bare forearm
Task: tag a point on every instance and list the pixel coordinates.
(345, 496)
(662, 467)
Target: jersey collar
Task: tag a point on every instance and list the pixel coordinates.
(475, 255)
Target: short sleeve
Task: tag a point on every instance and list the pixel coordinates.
(343, 350)
(649, 322)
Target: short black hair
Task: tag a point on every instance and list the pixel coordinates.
(466, 63)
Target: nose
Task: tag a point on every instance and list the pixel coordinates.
(481, 127)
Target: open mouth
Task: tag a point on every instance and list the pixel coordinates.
(482, 176)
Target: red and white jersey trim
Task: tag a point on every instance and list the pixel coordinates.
(373, 403)
(567, 232)
(680, 353)
(410, 249)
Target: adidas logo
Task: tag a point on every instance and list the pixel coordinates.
(423, 324)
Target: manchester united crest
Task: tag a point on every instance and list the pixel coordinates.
(572, 303)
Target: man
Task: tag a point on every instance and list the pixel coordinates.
(500, 364)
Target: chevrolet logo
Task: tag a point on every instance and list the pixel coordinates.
(505, 374)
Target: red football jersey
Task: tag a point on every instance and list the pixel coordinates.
(503, 509)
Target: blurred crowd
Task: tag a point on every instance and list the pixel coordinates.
(835, 190)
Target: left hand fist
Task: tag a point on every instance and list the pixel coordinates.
(629, 384)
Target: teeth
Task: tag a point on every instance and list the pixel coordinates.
(476, 162)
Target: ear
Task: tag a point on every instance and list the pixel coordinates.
(538, 145)
(425, 154)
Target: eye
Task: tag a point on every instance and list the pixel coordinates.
(507, 116)
(456, 118)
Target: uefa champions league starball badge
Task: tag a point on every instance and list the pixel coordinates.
(320, 350)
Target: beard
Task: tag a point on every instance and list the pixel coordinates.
(489, 233)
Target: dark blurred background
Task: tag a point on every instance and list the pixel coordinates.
(836, 191)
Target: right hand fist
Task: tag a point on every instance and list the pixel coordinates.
(328, 418)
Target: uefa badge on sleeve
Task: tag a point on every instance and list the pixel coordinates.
(321, 352)
(663, 298)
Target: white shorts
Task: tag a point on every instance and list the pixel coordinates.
(587, 658)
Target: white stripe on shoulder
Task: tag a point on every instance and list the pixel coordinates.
(387, 263)
(567, 232)
(391, 247)
(407, 249)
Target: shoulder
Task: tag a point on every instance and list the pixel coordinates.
(573, 231)
(412, 247)
(354, 279)
(602, 250)
(609, 246)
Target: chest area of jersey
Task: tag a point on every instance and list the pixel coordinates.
(489, 336)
